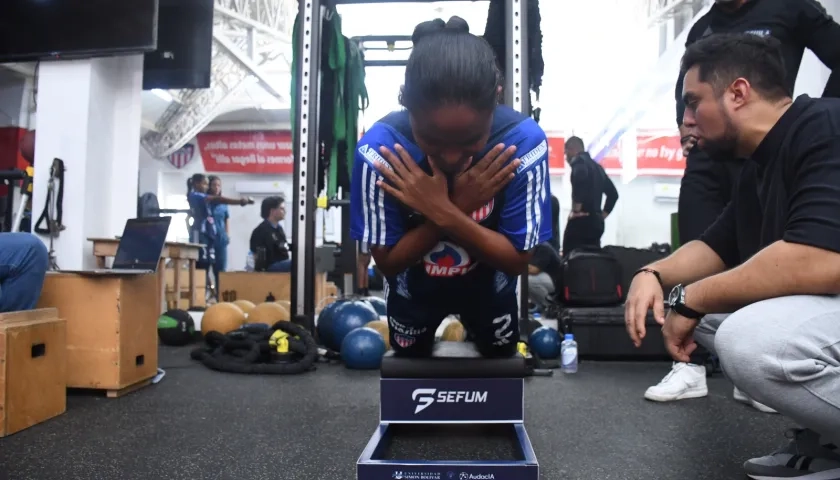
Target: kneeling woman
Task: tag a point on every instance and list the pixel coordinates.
(451, 194)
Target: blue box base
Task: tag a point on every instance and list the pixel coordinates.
(372, 465)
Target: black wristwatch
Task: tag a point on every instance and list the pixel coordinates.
(676, 300)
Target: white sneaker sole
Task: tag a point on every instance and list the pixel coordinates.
(832, 474)
(741, 398)
(695, 392)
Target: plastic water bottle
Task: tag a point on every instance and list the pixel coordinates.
(569, 354)
(249, 262)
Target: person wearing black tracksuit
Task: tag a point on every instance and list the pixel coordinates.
(707, 185)
(590, 184)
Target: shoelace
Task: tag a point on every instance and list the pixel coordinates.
(674, 369)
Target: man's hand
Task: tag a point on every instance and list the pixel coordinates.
(475, 187)
(645, 293)
(246, 201)
(426, 194)
(678, 333)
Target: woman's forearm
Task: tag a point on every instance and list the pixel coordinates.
(409, 249)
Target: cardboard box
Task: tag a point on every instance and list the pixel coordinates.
(111, 320)
(32, 369)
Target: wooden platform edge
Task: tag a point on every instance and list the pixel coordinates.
(115, 393)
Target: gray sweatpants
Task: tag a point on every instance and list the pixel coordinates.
(540, 286)
(784, 353)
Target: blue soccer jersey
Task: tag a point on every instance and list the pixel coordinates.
(521, 211)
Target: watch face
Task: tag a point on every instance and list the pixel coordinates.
(674, 297)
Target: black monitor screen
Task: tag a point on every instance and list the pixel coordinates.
(37, 29)
(142, 243)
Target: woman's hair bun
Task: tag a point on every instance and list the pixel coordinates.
(458, 24)
(431, 27)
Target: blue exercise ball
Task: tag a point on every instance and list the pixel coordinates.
(362, 349)
(378, 304)
(545, 342)
(325, 321)
(348, 317)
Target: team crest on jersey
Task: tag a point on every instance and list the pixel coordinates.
(482, 213)
(448, 260)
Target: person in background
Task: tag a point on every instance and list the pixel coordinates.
(204, 229)
(268, 241)
(590, 184)
(24, 262)
(544, 274)
(362, 265)
(707, 184)
(555, 223)
(221, 218)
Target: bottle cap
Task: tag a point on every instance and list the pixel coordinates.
(569, 336)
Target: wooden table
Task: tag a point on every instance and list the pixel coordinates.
(178, 252)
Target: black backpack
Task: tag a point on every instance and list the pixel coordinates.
(591, 278)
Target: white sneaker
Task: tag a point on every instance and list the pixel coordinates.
(685, 380)
(743, 398)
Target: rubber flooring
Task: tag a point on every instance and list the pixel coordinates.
(197, 424)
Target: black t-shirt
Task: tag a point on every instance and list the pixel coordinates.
(272, 240)
(790, 188)
(797, 24)
(590, 184)
(548, 260)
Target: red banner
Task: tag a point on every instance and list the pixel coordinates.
(263, 152)
(659, 152)
(10, 157)
(556, 154)
(612, 160)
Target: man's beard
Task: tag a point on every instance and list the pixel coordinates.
(724, 147)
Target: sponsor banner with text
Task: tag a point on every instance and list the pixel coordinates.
(659, 154)
(261, 152)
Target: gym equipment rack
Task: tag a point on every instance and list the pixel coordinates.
(306, 149)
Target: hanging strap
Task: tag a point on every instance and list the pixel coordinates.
(53, 225)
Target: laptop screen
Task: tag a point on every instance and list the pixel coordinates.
(142, 243)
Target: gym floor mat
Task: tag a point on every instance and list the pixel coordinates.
(200, 424)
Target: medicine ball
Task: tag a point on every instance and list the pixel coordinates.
(245, 305)
(325, 321)
(362, 349)
(348, 317)
(544, 342)
(378, 304)
(176, 328)
(381, 327)
(223, 318)
(454, 332)
(268, 313)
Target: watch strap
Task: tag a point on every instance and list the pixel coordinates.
(686, 311)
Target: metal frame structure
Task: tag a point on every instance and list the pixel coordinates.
(306, 149)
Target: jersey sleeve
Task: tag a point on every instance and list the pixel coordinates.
(526, 216)
(375, 216)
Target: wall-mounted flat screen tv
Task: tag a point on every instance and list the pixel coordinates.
(67, 29)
